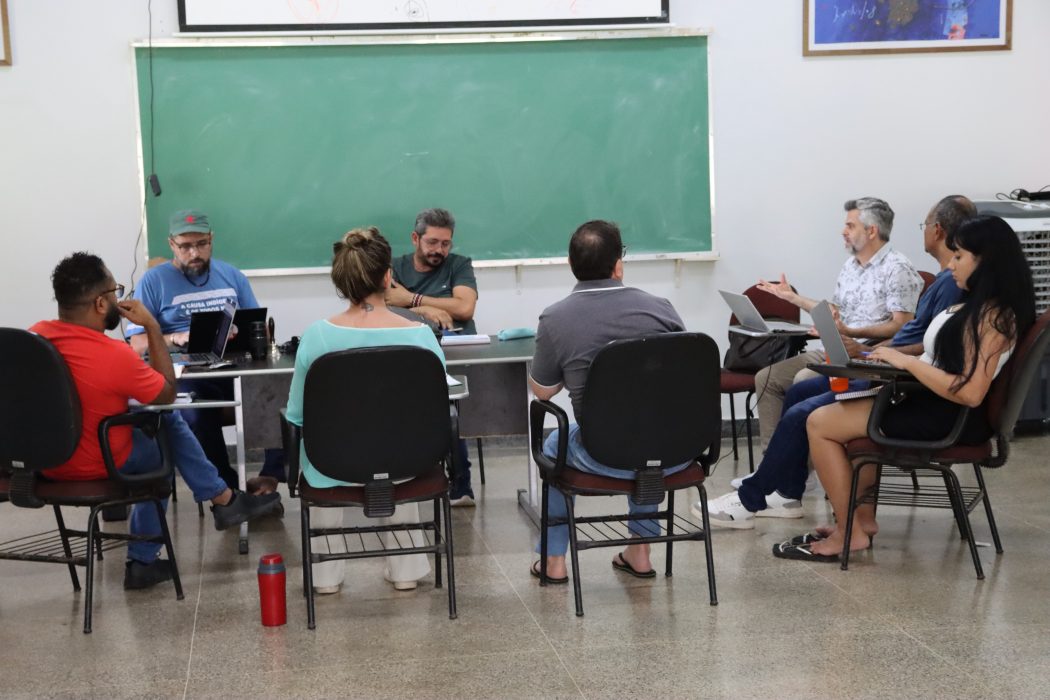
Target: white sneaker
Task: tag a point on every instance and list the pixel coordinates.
(327, 590)
(464, 501)
(400, 585)
(779, 507)
(735, 483)
(726, 511)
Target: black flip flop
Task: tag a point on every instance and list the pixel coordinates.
(802, 552)
(534, 571)
(621, 564)
(808, 538)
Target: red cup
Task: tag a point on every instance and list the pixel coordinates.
(839, 384)
(272, 597)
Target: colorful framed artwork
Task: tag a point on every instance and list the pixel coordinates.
(843, 27)
(5, 36)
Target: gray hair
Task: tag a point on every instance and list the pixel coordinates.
(873, 212)
(952, 211)
(438, 218)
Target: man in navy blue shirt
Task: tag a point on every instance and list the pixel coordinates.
(776, 487)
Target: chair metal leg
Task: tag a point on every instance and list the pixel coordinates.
(437, 541)
(544, 505)
(576, 588)
(851, 508)
(166, 534)
(670, 530)
(708, 552)
(90, 573)
(732, 424)
(968, 530)
(481, 462)
(66, 549)
(308, 574)
(988, 509)
(958, 504)
(446, 506)
(748, 415)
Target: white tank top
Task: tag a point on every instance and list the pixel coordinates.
(930, 337)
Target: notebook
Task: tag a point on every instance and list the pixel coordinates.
(751, 321)
(824, 320)
(219, 338)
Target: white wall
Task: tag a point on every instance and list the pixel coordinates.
(793, 139)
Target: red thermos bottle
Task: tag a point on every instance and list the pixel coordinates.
(271, 590)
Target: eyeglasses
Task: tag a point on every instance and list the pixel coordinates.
(923, 225)
(623, 251)
(187, 247)
(119, 289)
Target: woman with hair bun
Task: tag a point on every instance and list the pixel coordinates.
(361, 275)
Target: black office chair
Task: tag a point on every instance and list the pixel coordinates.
(1003, 405)
(349, 399)
(649, 404)
(40, 430)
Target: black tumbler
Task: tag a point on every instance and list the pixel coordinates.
(257, 344)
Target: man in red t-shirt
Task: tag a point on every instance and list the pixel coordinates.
(107, 372)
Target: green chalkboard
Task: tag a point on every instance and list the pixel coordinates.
(287, 147)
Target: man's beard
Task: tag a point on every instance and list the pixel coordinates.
(112, 317)
(434, 259)
(197, 270)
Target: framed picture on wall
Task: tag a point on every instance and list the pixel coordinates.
(5, 36)
(843, 27)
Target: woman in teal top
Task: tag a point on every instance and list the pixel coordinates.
(361, 274)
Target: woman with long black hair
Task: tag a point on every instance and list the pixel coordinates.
(965, 348)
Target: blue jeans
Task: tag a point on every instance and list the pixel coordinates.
(461, 477)
(198, 473)
(577, 458)
(785, 465)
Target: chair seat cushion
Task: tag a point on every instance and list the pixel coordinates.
(582, 482)
(88, 493)
(736, 382)
(423, 487)
(957, 454)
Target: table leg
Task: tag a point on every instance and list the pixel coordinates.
(529, 499)
(242, 481)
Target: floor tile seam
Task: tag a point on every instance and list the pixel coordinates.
(535, 621)
(196, 614)
(863, 602)
(974, 678)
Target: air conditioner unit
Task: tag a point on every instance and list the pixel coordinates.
(1031, 222)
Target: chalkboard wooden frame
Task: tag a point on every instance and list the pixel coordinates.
(706, 252)
(256, 28)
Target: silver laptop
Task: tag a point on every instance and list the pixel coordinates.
(824, 320)
(218, 346)
(751, 321)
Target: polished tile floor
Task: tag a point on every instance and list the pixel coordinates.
(908, 620)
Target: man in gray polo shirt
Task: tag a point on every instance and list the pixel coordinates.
(570, 333)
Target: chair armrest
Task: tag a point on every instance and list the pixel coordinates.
(291, 438)
(886, 398)
(538, 411)
(150, 423)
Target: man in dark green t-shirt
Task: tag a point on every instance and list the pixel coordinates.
(432, 281)
(439, 286)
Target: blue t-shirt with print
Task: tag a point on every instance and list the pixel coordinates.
(172, 297)
(943, 292)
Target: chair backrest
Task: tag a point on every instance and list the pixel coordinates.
(927, 280)
(371, 414)
(41, 426)
(653, 401)
(1010, 388)
(769, 305)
